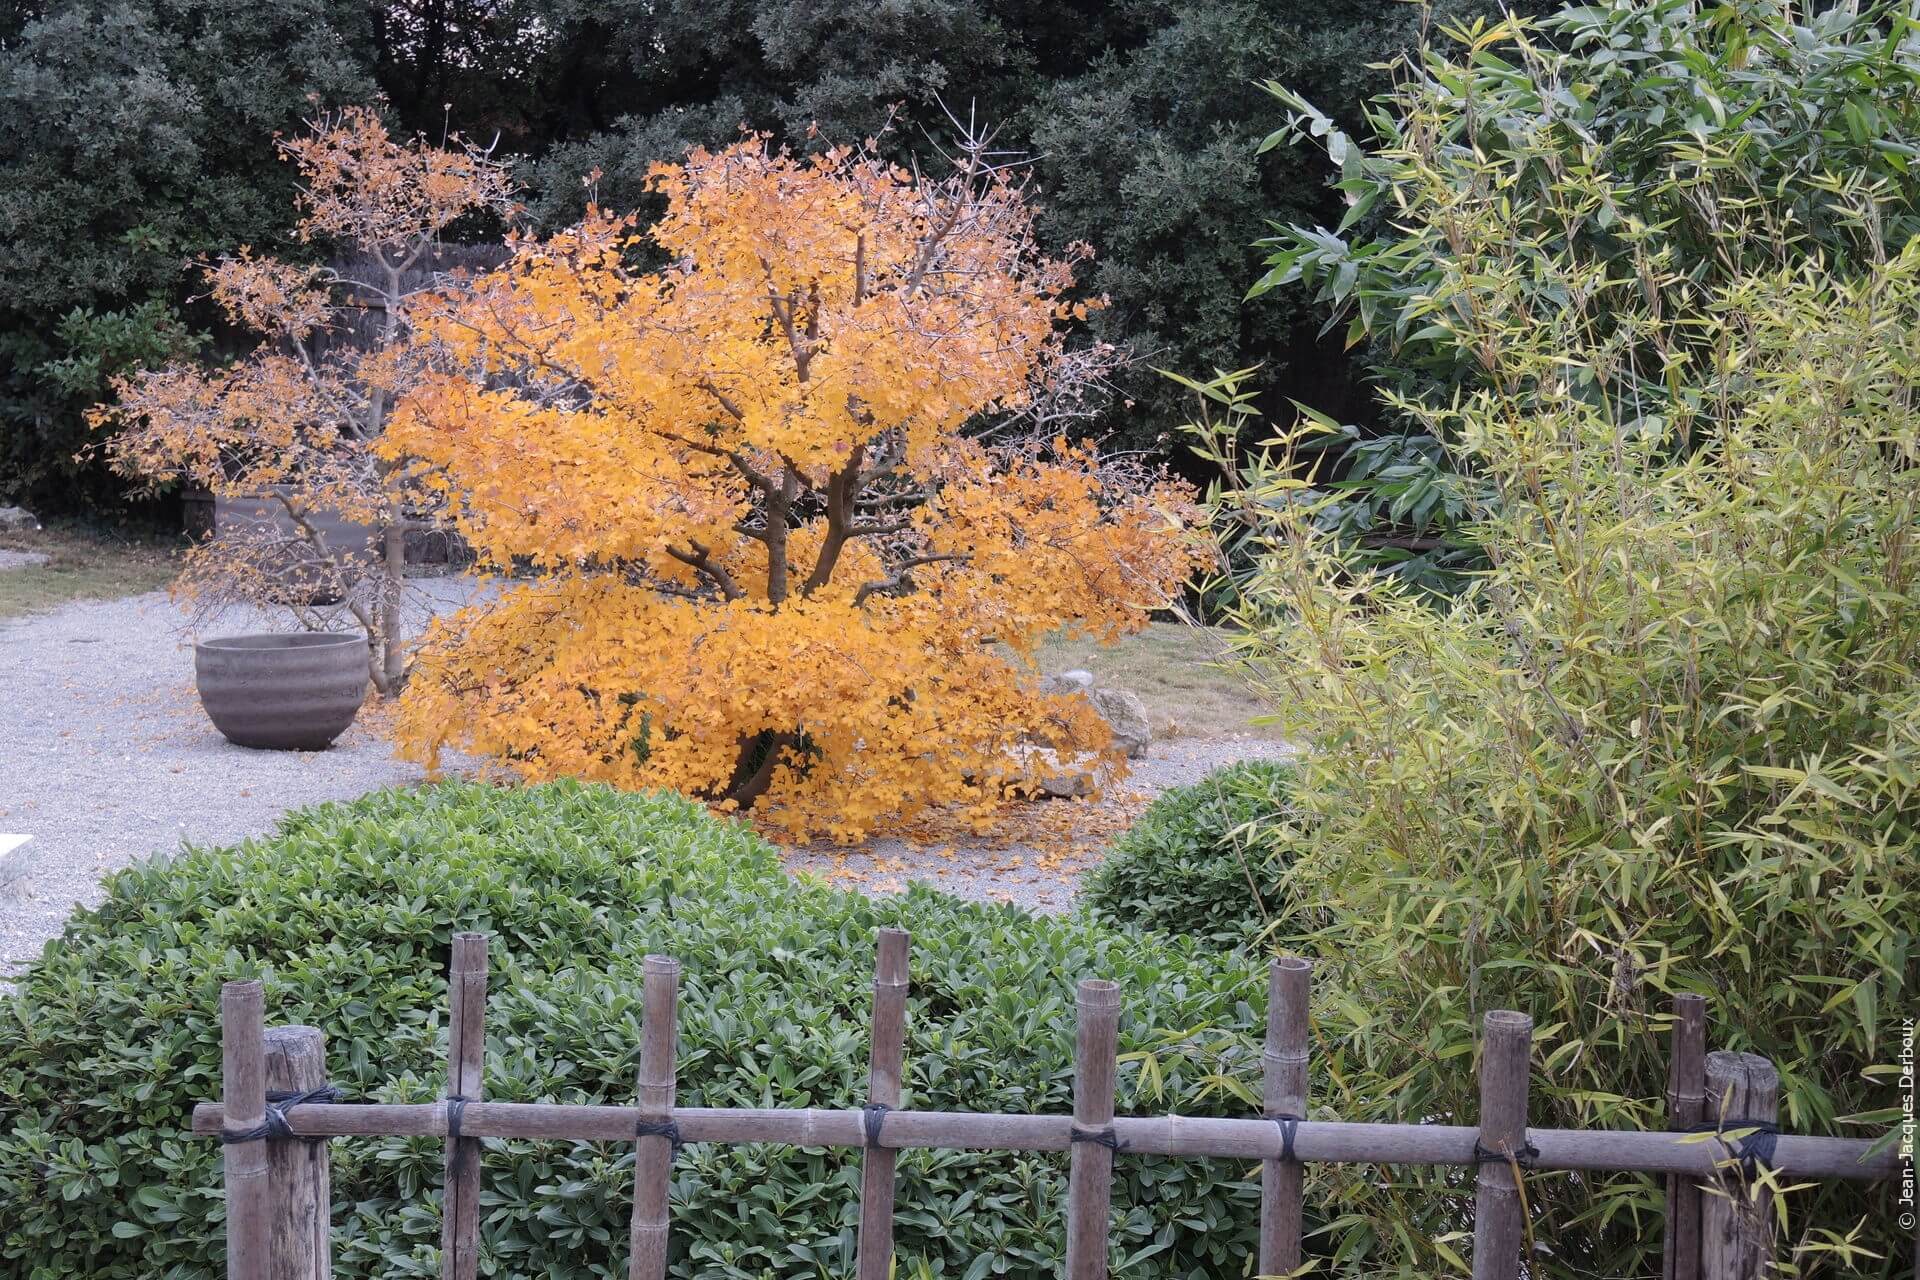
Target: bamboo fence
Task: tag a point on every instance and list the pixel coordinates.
(274, 1086)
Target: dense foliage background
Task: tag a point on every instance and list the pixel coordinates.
(1665, 737)
(1722, 130)
(140, 136)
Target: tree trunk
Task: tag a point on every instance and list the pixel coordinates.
(753, 771)
(842, 488)
(393, 656)
(779, 505)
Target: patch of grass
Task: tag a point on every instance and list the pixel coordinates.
(82, 565)
(1175, 669)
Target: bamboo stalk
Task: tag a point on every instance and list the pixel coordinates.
(466, 1072)
(1743, 1089)
(1686, 1086)
(1285, 1096)
(1316, 1142)
(888, 1055)
(243, 1084)
(1498, 1215)
(1090, 1172)
(300, 1172)
(653, 1157)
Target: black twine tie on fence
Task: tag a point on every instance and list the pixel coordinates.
(1289, 1125)
(456, 1112)
(668, 1129)
(1754, 1150)
(874, 1117)
(1524, 1155)
(1098, 1137)
(274, 1124)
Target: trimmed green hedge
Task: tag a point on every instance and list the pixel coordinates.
(1191, 864)
(347, 913)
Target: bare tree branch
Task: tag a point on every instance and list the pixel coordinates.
(898, 579)
(700, 559)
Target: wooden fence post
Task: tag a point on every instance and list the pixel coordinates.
(1686, 1092)
(888, 1055)
(1498, 1216)
(1284, 1099)
(300, 1169)
(243, 1087)
(466, 1082)
(654, 1151)
(1090, 1176)
(1743, 1090)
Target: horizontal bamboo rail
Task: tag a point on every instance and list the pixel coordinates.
(1315, 1141)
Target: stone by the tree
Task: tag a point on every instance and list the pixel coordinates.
(1126, 716)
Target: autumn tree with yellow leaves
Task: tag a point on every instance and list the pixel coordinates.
(755, 557)
(291, 428)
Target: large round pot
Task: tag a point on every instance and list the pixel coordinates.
(291, 692)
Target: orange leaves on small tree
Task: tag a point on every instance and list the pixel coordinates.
(767, 564)
(389, 200)
(291, 428)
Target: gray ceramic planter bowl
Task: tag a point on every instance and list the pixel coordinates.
(294, 692)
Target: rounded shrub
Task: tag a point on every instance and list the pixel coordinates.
(347, 913)
(1203, 861)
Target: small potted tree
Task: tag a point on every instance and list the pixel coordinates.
(309, 518)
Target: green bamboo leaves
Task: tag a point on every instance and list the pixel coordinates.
(1666, 737)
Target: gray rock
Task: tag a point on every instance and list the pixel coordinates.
(1126, 715)
(17, 520)
(13, 857)
(1054, 776)
(1063, 682)
(1066, 786)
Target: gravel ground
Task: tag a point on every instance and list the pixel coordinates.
(1038, 861)
(108, 759)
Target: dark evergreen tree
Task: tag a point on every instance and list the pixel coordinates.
(138, 136)
(1142, 119)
